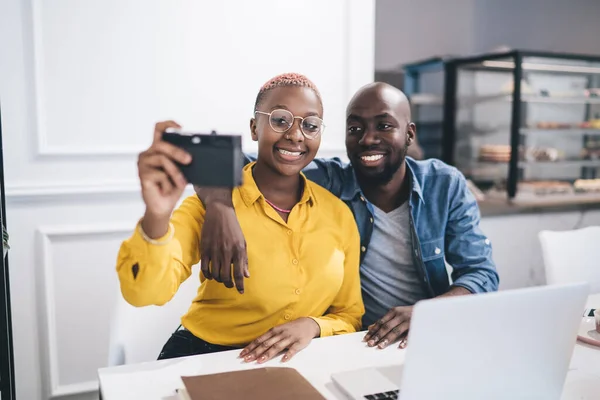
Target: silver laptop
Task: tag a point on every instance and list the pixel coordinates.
(513, 344)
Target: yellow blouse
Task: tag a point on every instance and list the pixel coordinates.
(307, 267)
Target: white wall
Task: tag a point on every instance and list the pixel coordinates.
(408, 31)
(81, 85)
(549, 25)
(516, 247)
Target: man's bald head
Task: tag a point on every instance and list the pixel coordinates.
(381, 92)
(379, 132)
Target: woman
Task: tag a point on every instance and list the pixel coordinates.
(302, 242)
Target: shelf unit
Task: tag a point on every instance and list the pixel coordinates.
(423, 84)
(505, 102)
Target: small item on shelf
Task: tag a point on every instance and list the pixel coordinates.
(595, 122)
(543, 154)
(591, 147)
(494, 153)
(587, 185)
(545, 188)
(501, 153)
(553, 125)
(508, 88)
(574, 94)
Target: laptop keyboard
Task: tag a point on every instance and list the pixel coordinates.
(387, 395)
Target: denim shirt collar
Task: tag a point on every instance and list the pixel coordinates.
(352, 189)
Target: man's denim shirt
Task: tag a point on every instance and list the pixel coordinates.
(444, 219)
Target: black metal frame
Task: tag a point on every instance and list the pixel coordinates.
(412, 85)
(515, 128)
(448, 127)
(450, 103)
(413, 71)
(7, 377)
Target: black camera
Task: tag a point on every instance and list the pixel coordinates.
(217, 160)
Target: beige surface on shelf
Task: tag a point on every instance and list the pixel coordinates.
(499, 206)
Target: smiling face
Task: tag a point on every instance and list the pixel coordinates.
(378, 132)
(289, 152)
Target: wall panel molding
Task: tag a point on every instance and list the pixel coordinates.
(47, 302)
(353, 74)
(44, 148)
(56, 192)
(67, 192)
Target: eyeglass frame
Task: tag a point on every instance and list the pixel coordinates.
(290, 127)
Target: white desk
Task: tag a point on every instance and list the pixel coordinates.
(158, 379)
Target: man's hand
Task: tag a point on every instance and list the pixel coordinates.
(392, 327)
(395, 324)
(293, 336)
(222, 245)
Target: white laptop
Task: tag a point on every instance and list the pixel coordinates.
(513, 344)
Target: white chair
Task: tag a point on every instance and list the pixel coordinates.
(572, 256)
(139, 333)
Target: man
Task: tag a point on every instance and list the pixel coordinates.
(412, 217)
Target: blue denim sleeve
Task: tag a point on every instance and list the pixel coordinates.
(468, 250)
(328, 173)
(325, 172)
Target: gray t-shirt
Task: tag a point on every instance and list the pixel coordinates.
(388, 275)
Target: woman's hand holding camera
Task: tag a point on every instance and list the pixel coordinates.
(162, 181)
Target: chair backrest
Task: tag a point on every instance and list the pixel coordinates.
(139, 333)
(572, 256)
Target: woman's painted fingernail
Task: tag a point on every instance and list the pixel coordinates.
(262, 359)
(383, 344)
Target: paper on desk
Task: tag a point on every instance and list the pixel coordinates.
(157, 383)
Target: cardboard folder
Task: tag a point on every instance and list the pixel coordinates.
(253, 384)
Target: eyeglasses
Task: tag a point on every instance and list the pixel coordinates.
(282, 120)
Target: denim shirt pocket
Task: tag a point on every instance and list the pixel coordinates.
(434, 261)
(432, 249)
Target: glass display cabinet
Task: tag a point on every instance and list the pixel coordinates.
(525, 125)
